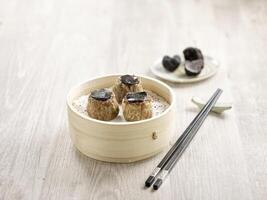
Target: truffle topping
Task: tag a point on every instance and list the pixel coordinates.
(136, 97)
(101, 94)
(129, 80)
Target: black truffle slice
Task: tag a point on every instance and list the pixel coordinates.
(136, 97)
(129, 79)
(101, 94)
(193, 68)
(192, 53)
(171, 64)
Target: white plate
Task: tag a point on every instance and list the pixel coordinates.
(211, 66)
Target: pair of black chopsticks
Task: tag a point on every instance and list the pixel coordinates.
(173, 155)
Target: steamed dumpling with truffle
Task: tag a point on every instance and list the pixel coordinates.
(137, 106)
(102, 105)
(125, 84)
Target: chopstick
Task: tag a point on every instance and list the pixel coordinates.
(169, 154)
(184, 144)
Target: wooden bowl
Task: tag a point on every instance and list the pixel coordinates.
(121, 141)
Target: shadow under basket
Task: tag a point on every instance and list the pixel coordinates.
(121, 142)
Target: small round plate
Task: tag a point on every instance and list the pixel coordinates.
(211, 66)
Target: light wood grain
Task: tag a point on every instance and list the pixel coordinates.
(48, 46)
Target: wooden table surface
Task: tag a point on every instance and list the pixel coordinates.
(48, 46)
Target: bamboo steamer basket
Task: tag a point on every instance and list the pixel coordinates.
(121, 142)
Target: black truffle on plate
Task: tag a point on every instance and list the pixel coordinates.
(193, 68)
(137, 106)
(102, 105)
(171, 63)
(192, 53)
(125, 84)
(194, 61)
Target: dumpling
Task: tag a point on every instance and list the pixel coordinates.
(102, 105)
(125, 84)
(137, 106)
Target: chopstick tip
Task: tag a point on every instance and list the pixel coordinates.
(149, 181)
(219, 89)
(157, 184)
